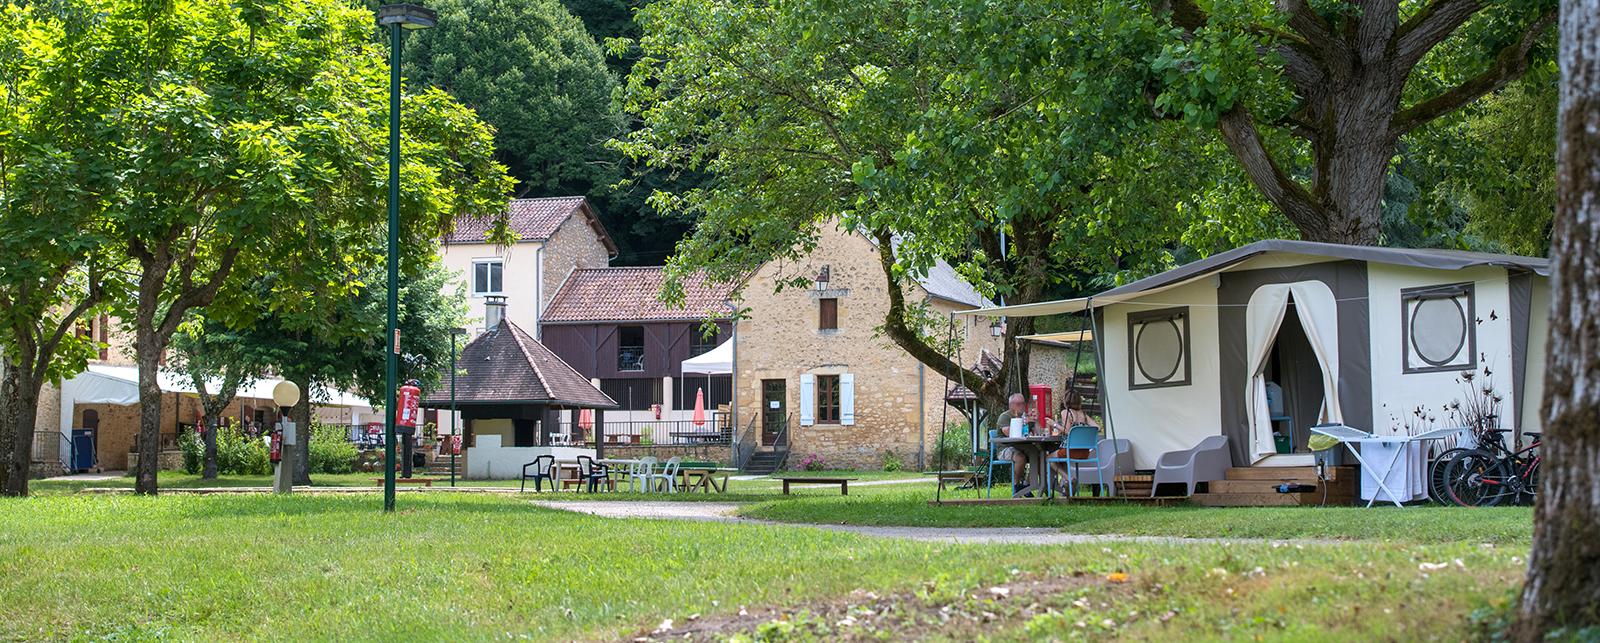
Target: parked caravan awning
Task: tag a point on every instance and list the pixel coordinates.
(105, 384)
(717, 361)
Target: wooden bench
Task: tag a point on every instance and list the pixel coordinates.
(844, 483)
(964, 478)
(426, 482)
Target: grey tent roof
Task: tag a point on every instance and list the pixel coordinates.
(1414, 257)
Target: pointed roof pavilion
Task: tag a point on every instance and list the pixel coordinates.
(508, 367)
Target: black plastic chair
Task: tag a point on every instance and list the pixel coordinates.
(543, 469)
(593, 472)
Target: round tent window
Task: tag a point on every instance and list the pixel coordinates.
(1159, 347)
(1438, 329)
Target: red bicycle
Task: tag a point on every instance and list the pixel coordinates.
(1492, 474)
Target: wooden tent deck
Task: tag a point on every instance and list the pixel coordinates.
(1243, 487)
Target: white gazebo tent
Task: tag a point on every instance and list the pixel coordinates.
(717, 361)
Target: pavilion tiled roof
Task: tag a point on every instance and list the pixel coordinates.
(630, 294)
(532, 220)
(508, 366)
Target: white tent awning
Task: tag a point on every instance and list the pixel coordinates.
(717, 361)
(106, 384)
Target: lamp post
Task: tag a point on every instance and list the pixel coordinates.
(455, 419)
(286, 394)
(395, 17)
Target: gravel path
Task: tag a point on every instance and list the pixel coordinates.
(725, 512)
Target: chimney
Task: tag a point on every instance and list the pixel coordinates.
(494, 310)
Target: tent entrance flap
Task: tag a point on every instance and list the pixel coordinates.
(1318, 314)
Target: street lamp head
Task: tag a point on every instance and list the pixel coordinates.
(408, 16)
(458, 331)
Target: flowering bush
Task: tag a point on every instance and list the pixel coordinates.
(812, 462)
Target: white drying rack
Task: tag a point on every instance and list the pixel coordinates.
(1350, 436)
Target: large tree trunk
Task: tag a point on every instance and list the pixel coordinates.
(301, 416)
(148, 347)
(208, 469)
(1564, 568)
(19, 407)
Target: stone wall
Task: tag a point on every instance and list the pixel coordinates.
(574, 244)
(898, 403)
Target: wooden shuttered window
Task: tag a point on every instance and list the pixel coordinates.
(828, 314)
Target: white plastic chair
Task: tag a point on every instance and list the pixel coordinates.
(639, 474)
(668, 477)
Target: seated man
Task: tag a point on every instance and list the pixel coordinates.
(1016, 407)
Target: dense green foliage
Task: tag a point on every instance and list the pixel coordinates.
(331, 451)
(237, 454)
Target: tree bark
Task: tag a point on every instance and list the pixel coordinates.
(148, 347)
(1563, 578)
(19, 404)
(300, 414)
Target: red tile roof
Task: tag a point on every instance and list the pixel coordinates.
(630, 294)
(507, 366)
(533, 220)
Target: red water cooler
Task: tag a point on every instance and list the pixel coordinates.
(1039, 396)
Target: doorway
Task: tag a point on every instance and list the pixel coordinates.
(1294, 385)
(774, 410)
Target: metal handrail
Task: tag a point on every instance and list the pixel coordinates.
(745, 446)
(780, 443)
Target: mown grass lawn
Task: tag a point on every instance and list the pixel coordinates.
(909, 507)
(478, 567)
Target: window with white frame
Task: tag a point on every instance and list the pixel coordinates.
(487, 277)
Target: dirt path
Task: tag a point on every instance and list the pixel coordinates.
(726, 512)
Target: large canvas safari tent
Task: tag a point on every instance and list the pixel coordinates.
(1277, 336)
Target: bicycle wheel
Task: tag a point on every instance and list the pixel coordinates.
(1436, 477)
(1530, 482)
(1475, 479)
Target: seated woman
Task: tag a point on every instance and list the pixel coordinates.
(1072, 415)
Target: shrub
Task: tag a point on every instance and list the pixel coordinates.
(955, 447)
(331, 450)
(892, 462)
(194, 452)
(812, 462)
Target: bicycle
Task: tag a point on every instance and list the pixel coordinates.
(1492, 473)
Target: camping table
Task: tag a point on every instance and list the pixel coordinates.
(1034, 447)
(1351, 437)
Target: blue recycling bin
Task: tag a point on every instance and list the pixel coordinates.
(82, 450)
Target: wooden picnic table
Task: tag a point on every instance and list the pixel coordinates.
(844, 483)
(708, 478)
(1035, 447)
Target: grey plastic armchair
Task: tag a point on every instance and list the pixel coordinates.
(1205, 462)
(1116, 459)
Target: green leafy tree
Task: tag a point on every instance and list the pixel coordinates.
(1312, 97)
(53, 190)
(529, 69)
(218, 360)
(240, 132)
(1016, 144)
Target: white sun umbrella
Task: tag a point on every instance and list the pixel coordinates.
(717, 361)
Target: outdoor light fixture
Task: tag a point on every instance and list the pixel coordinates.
(997, 327)
(408, 16)
(397, 18)
(822, 279)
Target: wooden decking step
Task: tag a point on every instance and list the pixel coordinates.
(1345, 486)
(1287, 474)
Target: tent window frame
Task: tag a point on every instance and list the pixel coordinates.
(1137, 320)
(1464, 295)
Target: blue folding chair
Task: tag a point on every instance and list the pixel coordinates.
(994, 461)
(1081, 437)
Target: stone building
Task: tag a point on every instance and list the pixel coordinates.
(555, 236)
(810, 362)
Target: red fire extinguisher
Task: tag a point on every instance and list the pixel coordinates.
(406, 403)
(455, 445)
(277, 447)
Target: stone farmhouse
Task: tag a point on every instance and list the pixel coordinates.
(820, 380)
